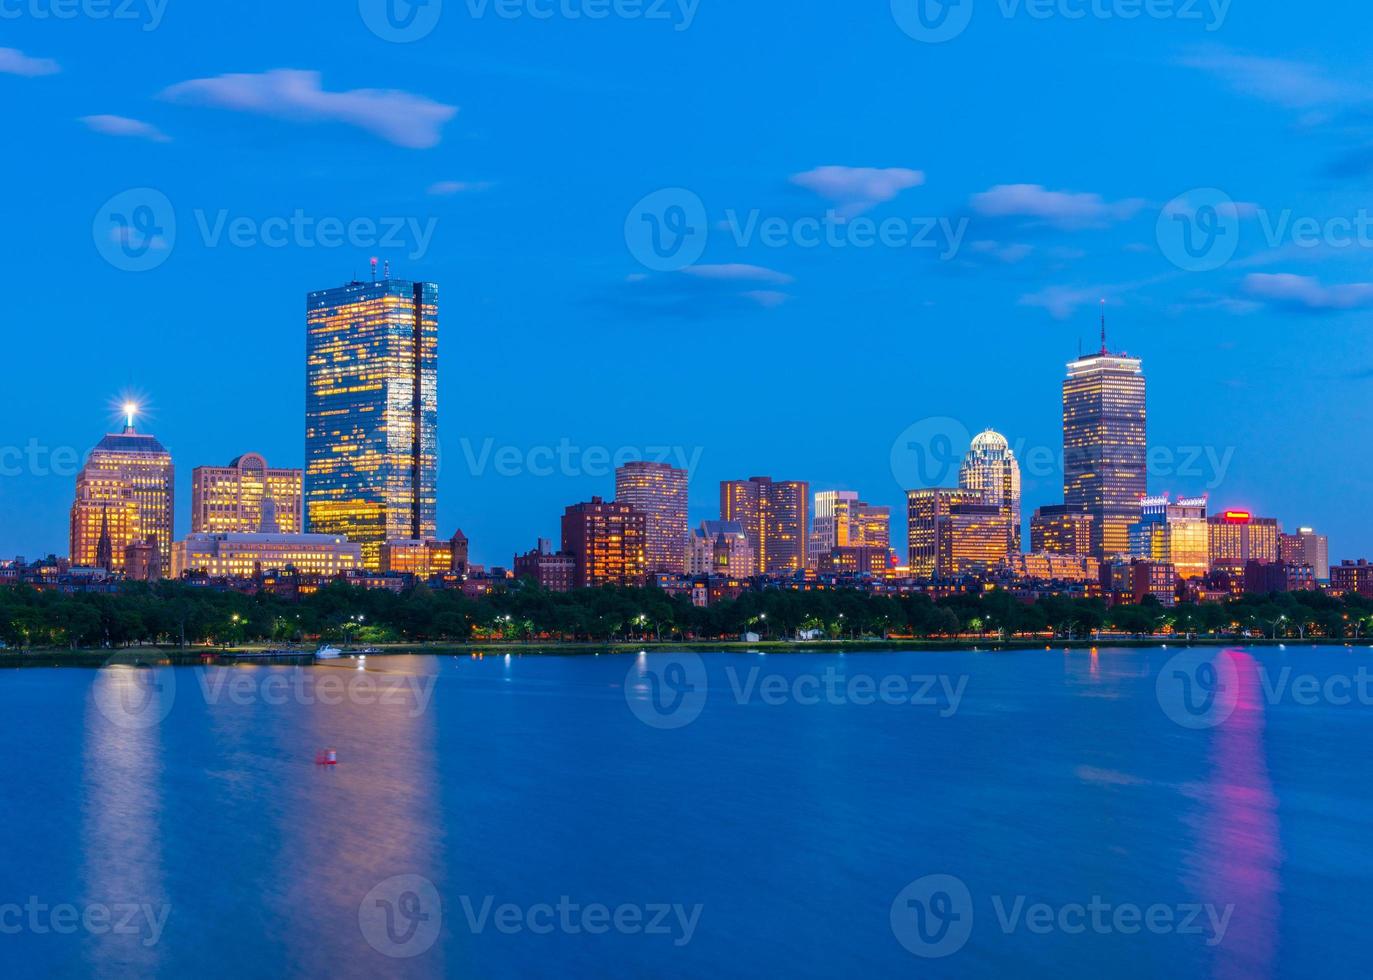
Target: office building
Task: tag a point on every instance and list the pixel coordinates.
(247, 556)
(1061, 530)
(776, 519)
(991, 469)
(371, 413)
(606, 541)
(1174, 532)
(1306, 547)
(841, 520)
(125, 493)
(1237, 537)
(952, 533)
(659, 492)
(1104, 445)
(246, 497)
(425, 559)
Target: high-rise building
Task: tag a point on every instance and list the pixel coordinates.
(246, 497)
(606, 540)
(841, 520)
(1173, 532)
(776, 519)
(659, 492)
(371, 413)
(720, 548)
(991, 469)
(1061, 530)
(125, 492)
(1237, 537)
(952, 533)
(1306, 547)
(1104, 445)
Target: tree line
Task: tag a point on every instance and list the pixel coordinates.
(178, 614)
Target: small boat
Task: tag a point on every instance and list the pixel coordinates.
(326, 652)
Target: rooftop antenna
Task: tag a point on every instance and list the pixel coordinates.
(1103, 327)
(386, 267)
(374, 270)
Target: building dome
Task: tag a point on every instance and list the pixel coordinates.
(990, 441)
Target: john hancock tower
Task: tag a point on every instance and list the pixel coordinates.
(371, 412)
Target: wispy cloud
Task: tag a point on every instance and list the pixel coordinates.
(738, 272)
(1285, 82)
(398, 117)
(124, 126)
(1306, 293)
(858, 189)
(702, 291)
(15, 62)
(447, 188)
(1066, 210)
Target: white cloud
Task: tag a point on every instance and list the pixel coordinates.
(398, 117)
(1062, 209)
(124, 126)
(446, 188)
(857, 189)
(1307, 292)
(1294, 84)
(739, 272)
(16, 62)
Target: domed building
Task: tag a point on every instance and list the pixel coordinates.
(991, 469)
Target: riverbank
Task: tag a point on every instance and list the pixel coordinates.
(193, 656)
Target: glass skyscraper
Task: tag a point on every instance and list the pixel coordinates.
(371, 412)
(1104, 451)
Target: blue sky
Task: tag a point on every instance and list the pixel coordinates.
(1049, 160)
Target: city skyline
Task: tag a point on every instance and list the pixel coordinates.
(1259, 362)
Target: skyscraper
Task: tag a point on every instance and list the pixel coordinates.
(990, 468)
(371, 412)
(775, 517)
(246, 497)
(841, 520)
(1175, 533)
(1061, 530)
(953, 533)
(659, 492)
(125, 492)
(1104, 448)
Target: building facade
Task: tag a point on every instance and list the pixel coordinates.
(126, 492)
(371, 413)
(247, 497)
(1306, 547)
(1061, 530)
(246, 556)
(841, 520)
(952, 533)
(721, 548)
(606, 541)
(425, 559)
(659, 492)
(1175, 532)
(991, 469)
(776, 519)
(552, 571)
(1353, 576)
(1237, 537)
(1104, 445)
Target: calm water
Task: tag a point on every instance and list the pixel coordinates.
(781, 828)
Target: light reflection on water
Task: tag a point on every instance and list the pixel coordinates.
(524, 779)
